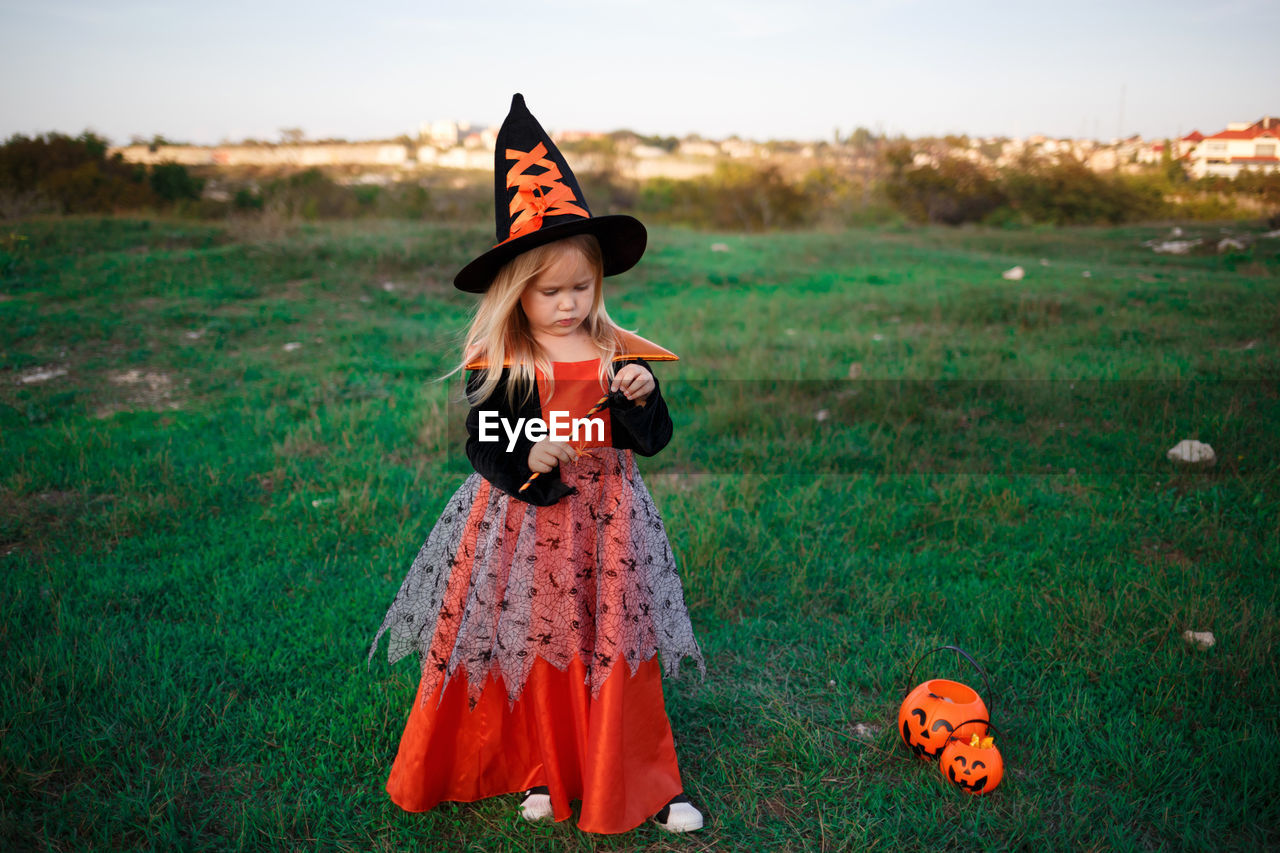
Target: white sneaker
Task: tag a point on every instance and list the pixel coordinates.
(537, 805)
(679, 816)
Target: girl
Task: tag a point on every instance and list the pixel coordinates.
(544, 594)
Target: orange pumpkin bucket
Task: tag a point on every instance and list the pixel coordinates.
(972, 764)
(932, 712)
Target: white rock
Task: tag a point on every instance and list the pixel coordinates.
(1200, 639)
(1175, 247)
(1044, 262)
(1192, 452)
(1275, 233)
(291, 346)
(194, 335)
(1176, 232)
(41, 374)
(1086, 274)
(719, 247)
(1226, 244)
(153, 379)
(388, 286)
(877, 337)
(821, 415)
(1013, 274)
(865, 731)
(322, 501)
(855, 370)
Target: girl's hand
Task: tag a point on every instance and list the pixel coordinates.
(547, 455)
(635, 382)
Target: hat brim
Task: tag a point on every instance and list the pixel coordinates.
(622, 241)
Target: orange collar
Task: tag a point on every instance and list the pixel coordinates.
(632, 346)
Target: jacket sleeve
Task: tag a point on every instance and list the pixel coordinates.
(505, 470)
(645, 429)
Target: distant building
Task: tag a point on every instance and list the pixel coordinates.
(464, 158)
(1241, 146)
(648, 151)
(739, 148)
(578, 135)
(441, 133)
(1186, 144)
(305, 154)
(699, 148)
(1103, 160)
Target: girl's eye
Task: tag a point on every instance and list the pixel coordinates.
(582, 287)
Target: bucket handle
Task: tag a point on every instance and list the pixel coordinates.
(990, 725)
(991, 709)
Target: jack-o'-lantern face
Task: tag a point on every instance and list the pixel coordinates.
(968, 772)
(923, 737)
(972, 768)
(930, 713)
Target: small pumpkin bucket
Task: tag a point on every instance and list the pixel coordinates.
(973, 769)
(928, 715)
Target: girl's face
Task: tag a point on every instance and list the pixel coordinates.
(559, 299)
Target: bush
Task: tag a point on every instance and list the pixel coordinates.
(1067, 192)
(74, 174)
(310, 195)
(313, 195)
(247, 199)
(1063, 191)
(950, 192)
(405, 201)
(845, 198)
(1205, 206)
(737, 196)
(1263, 186)
(172, 182)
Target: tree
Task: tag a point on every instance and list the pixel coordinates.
(172, 182)
(1067, 192)
(74, 174)
(861, 138)
(1172, 169)
(951, 192)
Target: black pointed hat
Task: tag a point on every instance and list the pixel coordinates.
(537, 200)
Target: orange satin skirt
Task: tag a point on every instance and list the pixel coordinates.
(615, 753)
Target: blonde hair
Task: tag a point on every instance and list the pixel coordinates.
(500, 332)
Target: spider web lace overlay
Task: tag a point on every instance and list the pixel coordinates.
(500, 582)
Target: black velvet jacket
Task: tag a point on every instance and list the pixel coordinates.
(643, 429)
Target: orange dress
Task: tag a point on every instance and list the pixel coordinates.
(539, 631)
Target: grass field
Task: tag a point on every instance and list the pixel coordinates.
(219, 454)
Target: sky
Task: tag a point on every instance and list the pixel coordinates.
(803, 69)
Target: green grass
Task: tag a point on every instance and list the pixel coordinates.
(200, 531)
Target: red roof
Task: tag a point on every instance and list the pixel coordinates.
(1193, 136)
(1265, 126)
(1251, 133)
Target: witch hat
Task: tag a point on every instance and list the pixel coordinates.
(537, 200)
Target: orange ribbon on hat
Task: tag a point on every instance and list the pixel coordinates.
(536, 195)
